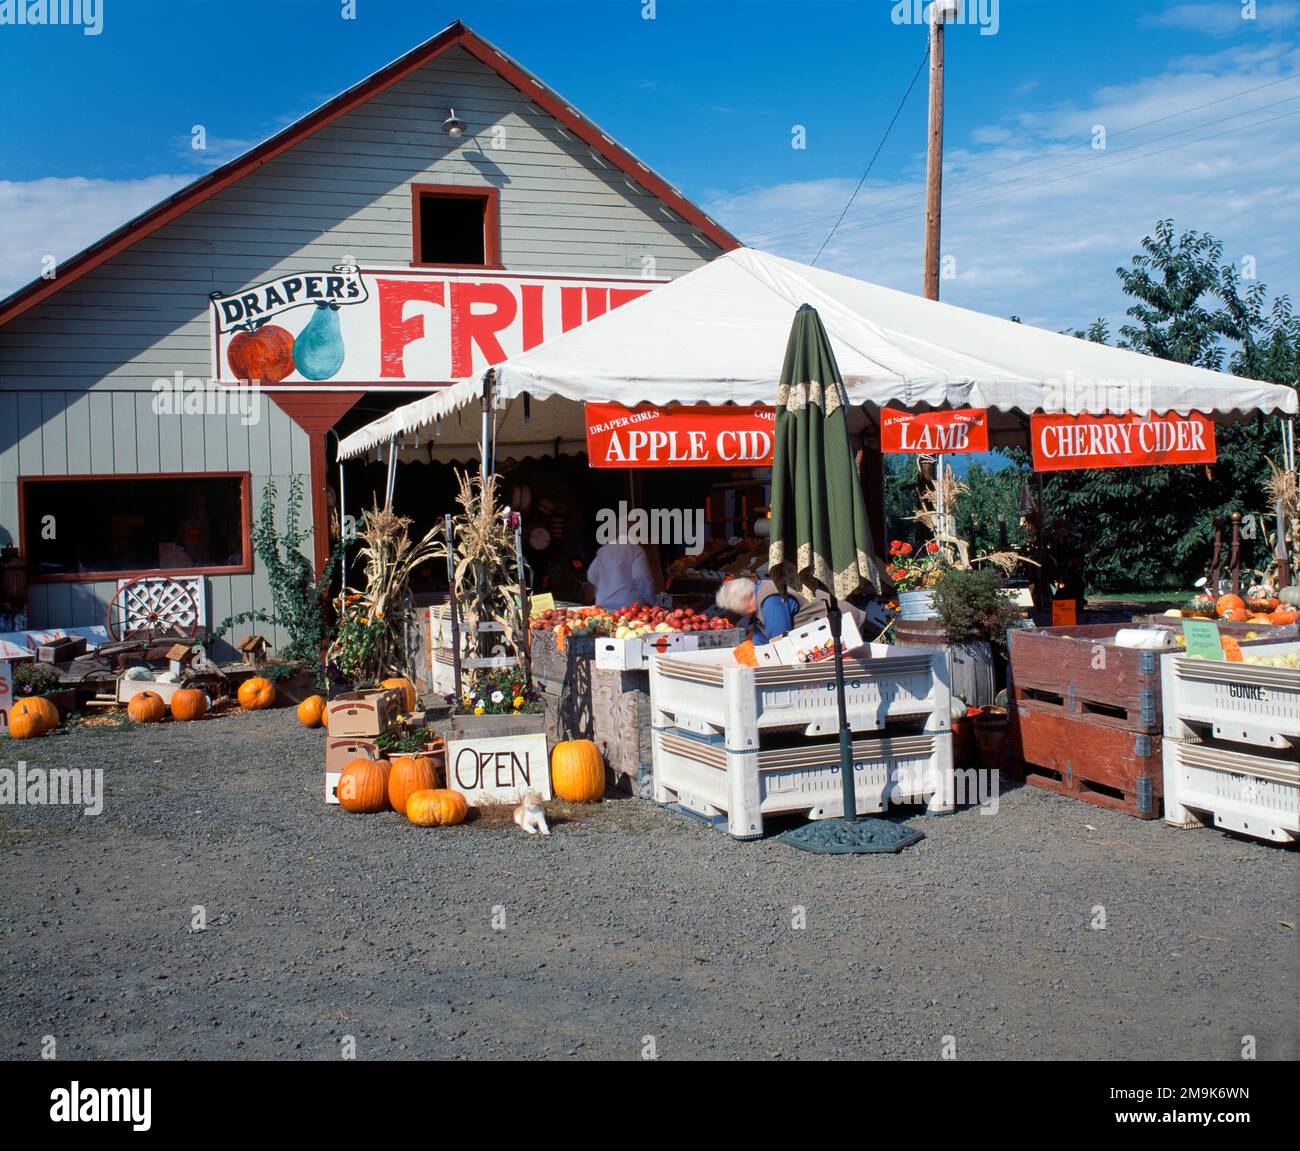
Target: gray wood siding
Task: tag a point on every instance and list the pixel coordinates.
(75, 370)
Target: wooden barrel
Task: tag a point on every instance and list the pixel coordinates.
(970, 665)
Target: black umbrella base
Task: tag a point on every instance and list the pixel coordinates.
(852, 836)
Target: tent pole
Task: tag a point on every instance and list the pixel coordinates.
(485, 447)
(391, 480)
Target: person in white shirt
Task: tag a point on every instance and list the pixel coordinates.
(620, 576)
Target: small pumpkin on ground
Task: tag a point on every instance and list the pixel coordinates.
(30, 717)
(409, 774)
(146, 707)
(256, 693)
(578, 771)
(189, 703)
(436, 807)
(363, 786)
(409, 697)
(311, 712)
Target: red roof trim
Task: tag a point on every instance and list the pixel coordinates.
(220, 178)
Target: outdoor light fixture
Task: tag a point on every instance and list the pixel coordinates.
(941, 11)
(453, 125)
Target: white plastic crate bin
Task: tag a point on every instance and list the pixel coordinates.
(1251, 794)
(747, 785)
(710, 694)
(1244, 703)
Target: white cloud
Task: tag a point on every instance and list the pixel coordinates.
(1037, 221)
(1226, 17)
(60, 217)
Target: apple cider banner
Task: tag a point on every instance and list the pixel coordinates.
(1062, 443)
(356, 327)
(680, 436)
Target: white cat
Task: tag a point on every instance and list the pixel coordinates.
(530, 816)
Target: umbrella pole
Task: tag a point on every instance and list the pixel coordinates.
(846, 736)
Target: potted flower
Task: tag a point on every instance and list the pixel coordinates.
(499, 701)
(915, 574)
(32, 678)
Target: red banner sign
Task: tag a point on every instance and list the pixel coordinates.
(1062, 443)
(965, 430)
(682, 436)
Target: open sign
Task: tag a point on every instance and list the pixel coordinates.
(498, 769)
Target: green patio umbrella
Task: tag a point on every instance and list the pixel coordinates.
(821, 542)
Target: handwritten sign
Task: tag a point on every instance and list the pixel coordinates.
(542, 601)
(1203, 638)
(6, 691)
(498, 769)
(1065, 612)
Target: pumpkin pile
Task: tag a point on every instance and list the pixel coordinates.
(1260, 607)
(32, 716)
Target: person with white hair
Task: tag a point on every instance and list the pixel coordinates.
(763, 610)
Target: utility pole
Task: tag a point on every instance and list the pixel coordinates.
(940, 11)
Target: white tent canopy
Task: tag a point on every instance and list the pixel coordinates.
(717, 335)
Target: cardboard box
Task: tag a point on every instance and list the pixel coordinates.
(343, 749)
(631, 654)
(364, 713)
(812, 642)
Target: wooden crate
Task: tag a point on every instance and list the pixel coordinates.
(1085, 758)
(620, 711)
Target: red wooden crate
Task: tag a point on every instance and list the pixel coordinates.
(1096, 762)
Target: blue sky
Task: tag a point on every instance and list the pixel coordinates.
(1201, 121)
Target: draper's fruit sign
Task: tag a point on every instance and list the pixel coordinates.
(347, 326)
(1062, 443)
(680, 436)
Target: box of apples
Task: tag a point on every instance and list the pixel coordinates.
(643, 630)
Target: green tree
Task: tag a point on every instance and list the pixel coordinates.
(1153, 527)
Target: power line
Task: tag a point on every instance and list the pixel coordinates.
(871, 163)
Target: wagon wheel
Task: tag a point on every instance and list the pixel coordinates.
(150, 606)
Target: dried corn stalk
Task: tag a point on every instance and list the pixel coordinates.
(955, 550)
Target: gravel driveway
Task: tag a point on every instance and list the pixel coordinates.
(631, 930)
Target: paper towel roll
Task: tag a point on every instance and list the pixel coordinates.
(1142, 637)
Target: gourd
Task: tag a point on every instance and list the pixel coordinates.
(436, 807)
(1283, 614)
(407, 688)
(256, 693)
(311, 711)
(189, 703)
(146, 707)
(577, 771)
(408, 775)
(363, 786)
(1227, 604)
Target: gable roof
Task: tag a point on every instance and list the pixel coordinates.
(220, 178)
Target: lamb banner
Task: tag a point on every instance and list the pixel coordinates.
(349, 327)
(962, 430)
(1062, 443)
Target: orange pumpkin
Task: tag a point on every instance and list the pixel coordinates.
(1236, 615)
(363, 786)
(256, 693)
(1226, 604)
(146, 707)
(1282, 614)
(1259, 617)
(27, 722)
(189, 703)
(311, 712)
(408, 775)
(41, 709)
(577, 771)
(436, 807)
(407, 688)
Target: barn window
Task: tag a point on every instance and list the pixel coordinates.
(88, 527)
(454, 226)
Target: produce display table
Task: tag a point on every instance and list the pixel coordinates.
(751, 742)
